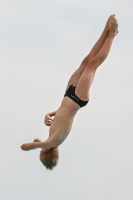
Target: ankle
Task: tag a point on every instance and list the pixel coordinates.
(112, 34)
(106, 31)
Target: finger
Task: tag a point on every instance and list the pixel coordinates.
(48, 121)
(47, 124)
(47, 116)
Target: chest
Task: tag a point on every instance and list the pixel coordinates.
(61, 125)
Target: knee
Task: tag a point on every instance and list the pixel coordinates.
(93, 64)
(86, 60)
(93, 61)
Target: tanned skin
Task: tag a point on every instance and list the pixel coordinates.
(83, 77)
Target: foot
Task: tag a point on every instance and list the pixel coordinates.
(107, 26)
(114, 26)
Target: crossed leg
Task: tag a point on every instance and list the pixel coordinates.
(96, 48)
(86, 79)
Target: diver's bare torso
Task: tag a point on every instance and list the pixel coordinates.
(82, 79)
(63, 119)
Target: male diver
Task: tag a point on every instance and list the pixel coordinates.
(77, 95)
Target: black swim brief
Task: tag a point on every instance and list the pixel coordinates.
(71, 94)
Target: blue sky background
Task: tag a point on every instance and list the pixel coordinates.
(41, 45)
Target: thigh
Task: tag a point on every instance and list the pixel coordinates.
(85, 82)
(77, 74)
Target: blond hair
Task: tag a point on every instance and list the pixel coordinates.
(50, 158)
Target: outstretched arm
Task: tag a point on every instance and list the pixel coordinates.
(48, 144)
(48, 120)
(36, 145)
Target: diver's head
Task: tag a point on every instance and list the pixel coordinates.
(49, 158)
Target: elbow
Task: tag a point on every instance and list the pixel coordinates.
(56, 143)
(50, 144)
